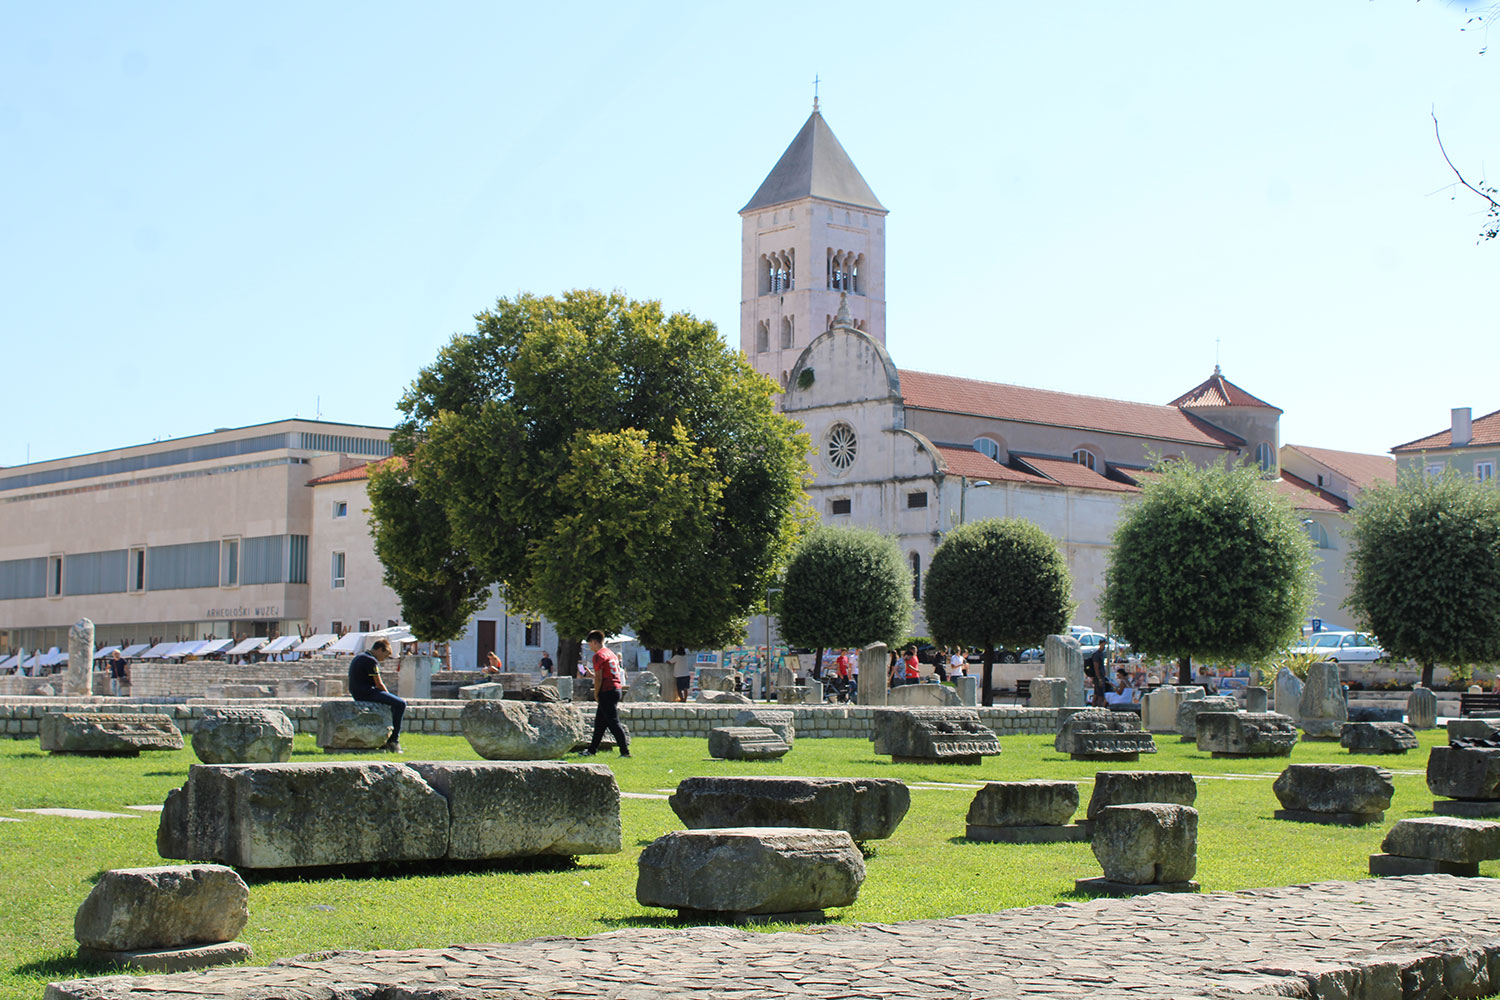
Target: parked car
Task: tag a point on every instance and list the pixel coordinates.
(1032, 655)
(1342, 647)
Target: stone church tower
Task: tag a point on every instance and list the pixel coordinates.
(813, 231)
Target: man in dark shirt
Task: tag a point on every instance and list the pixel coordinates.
(119, 673)
(365, 685)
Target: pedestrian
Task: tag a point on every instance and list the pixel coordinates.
(682, 675)
(365, 685)
(609, 685)
(546, 664)
(119, 673)
(1095, 665)
(958, 664)
(913, 666)
(893, 675)
(493, 664)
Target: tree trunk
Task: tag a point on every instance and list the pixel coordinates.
(987, 695)
(817, 665)
(1427, 669)
(1185, 670)
(568, 651)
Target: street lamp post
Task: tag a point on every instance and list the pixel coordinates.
(964, 486)
(766, 664)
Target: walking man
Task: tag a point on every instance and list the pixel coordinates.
(609, 685)
(365, 685)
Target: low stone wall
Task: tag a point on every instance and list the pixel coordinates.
(193, 679)
(20, 718)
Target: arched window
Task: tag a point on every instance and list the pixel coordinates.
(1265, 458)
(786, 331)
(916, 576)
(1085, 458)
(841, 447)
(778, 272)
(1317, 533)
(987, 447)
(762, 337)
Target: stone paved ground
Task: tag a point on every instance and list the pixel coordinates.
(1428, 936)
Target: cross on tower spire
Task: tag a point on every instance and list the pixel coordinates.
(815, 92)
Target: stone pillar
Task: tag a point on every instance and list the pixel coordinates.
(814, 693)
(565, 688)
(873, 660)
(414, 676)
(1159, 710)
(80, 659)
(1421, 709)
(1288, 693)
(1323, 708)
(662, 670)
(1063, 657)
(967, 688)
(1256, 699)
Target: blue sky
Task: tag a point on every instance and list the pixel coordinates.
(217, 215)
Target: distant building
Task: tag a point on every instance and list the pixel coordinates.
(1471, 446)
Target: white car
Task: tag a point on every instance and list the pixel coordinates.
(1343, 647)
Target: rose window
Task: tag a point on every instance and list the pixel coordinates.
(842, 447)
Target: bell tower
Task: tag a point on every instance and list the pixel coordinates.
(812, 231)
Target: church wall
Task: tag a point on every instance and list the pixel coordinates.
(1049, 439)
(1255, 424)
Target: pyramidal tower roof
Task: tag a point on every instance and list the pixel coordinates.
(1219, 391)
(816, 166)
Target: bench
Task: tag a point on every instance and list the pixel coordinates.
(1475, 704)
(1023, 690)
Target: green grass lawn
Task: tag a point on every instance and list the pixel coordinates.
(48, 864)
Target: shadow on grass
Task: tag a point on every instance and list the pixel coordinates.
(63, 968)
(373, 870)
(166, 774)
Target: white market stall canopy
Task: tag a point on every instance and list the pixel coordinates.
(280, 645)
(157, 651)
(135, 650)
(352, 642)
(316, 643)
(247, 646)
(101, 654)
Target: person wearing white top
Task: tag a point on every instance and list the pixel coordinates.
(956, 664)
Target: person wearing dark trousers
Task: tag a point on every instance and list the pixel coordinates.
(609, 686)
(365, 685)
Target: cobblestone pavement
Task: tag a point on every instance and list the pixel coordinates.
(1427, 936)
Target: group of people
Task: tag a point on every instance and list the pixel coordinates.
(1107, 691)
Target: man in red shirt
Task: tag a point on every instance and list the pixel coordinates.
(609, 687)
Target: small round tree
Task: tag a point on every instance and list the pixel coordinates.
(1425, 565)
(1211, 563)
(845, 587)
(1000, 581)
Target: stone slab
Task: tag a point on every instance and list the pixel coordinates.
(346, 725)
(1463, 771)
(107, 735)
(750, 870)
(1467, 809)
(1329, 818)
(933, 735)
(169, 906)
(198, 956)
(1444, 838)
(864, 808)
(1335, 789)
(1037, 803)
(1377, 737)
(1245, 734)
(1105, 887)
(1323, 940)
(1396, 864)
(1118, 788)
(1071, 833)
(745, 743)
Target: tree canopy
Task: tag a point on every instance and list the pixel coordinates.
(1425, 569)
(1000, 581)
(1210, 563)
(609, 464)
(846, 587)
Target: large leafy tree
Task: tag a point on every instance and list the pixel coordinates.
(1000, 581)
(1210, 563)
(607, 463)
(845, 587)
(1425, 565)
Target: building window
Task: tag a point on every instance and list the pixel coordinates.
(1318, 534)
(917, 500)
(1484, 471)
(1085, 458)
(842, 447)
(787, 338)
(135, 570)
(1265, 458)
(987, 447)
(916, 576)
(364, 624)
(1433, 471)
(842, 505)
(229, 562)
(843, 271)
(296, 558)
(533, 638)
(336, 627)
(54, 576)
(778, 272)
(763, 337)
(340, 509)
(338, 571)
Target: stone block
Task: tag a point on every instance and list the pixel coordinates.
(1346, 794)
(644, 686)
(710, 697)
(521, 730)
(798, 694)
(1117, 788)
(1101, 734)
(353, 725)
(1023, 803)
(779, 721)
(865, 808)
(925, 695)
(97, 734)
(243, 736)
(967, 689)
(1257, 699)
(1048, 692)
(1063, 657)
(1421, 709)
(507, 809)
(934, 735)
(1444, 838)
(1287, 694)
(873, 660)
(1395, 864)
(185, 959)
(1147, 843)
(301, 815)
(1189, 708)
(297, 687)
(1245, 734)
(745, 743)
(1323, 708)
(132, 909)
(1377, 737)
(1464, 772)
(237, 692)
(533, 692)
(487, 691)
(750, 870)
(1159, 707)
(1472, 729)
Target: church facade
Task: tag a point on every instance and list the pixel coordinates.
(914, 454)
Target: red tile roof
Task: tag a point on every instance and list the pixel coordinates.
(346, 476)
(1219, 391)
(1305, 496)
(1486, 431)
(1070, 473)
(951, 394)
(1362, 470)
(975, 465)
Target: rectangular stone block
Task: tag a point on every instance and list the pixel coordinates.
(1115, 788)
(115, 735)
(934, 735)
(1444, 838)
(1023, 803)
(1395, 864)
(1464, 772)
(1245, 734)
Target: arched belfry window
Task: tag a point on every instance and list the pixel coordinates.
(841, 447)
(762, 337)
(778, 272)
(844, 271)
(788, 337)
(916, 576)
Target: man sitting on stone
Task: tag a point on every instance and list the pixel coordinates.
(365, 685)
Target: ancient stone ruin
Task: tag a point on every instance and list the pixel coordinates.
(934, 735)
(1430, 845)
(1146, 847)
(100, 735)
(243, 736)
(745, 743)
(1323, 709)
(346, 726)
(1377, 737)
(864, 808)
(1245, 734)
(1024, 812)
(521, 730)
(1190, 706)
(1467, 772)
(164, 919)
(1336, 794)
(1099, 734)
(778, 720)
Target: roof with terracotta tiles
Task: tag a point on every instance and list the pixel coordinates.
(1217, 390)
(1070, 473)
(1485, 431)
(344, 476)
(952, 394)
(961, 461)
(1362, 470)
(1305, 496)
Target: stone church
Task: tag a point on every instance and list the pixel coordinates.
(914, 454)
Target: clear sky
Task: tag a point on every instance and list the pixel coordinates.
(217, 215)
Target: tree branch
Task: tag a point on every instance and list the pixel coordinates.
(1492, 227)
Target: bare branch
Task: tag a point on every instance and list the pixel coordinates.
(1487, 192)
